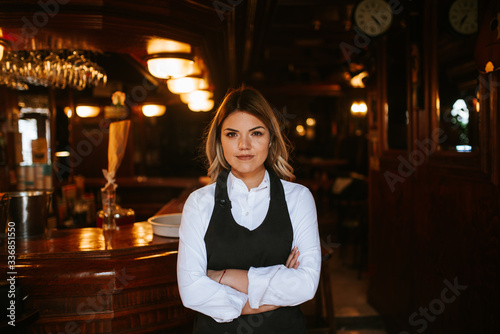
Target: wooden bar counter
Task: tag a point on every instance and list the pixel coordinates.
(82, 281)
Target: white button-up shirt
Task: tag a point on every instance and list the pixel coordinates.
(273, 285)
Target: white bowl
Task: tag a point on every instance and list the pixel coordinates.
(166, 225)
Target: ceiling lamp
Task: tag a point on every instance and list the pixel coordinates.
(185, 84)
(166, 65)
(3, 44)
(157, 45)
(87, 111)
(201, 105)
(196, 95)
(153, 110)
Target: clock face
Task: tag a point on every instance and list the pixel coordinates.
(463, 16)
(373, 17)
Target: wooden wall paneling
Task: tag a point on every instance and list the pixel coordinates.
(412, 75)
(485, 134)
(460, 244)
(493, 121)
(382, 92)
(391, 230)
(391, 245)
(432, 84)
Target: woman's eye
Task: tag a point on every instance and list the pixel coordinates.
(231, 134)
(257, 133)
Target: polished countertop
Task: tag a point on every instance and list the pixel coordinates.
(93, 242)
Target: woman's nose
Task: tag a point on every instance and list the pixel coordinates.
(244, 143)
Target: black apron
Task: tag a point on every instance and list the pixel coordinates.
(231, 246)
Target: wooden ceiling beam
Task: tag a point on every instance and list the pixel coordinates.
(316, 89)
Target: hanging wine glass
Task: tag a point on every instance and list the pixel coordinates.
(101, 77)
(79, 70)
(52, 68)
(40, 76)
(69, 66)
(29, 68)
(63, 71)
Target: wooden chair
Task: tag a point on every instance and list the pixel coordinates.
(325, 313)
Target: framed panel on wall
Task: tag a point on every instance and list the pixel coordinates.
(457, 75)
(459, 117)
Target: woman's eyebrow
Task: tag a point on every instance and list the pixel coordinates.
(252, 129)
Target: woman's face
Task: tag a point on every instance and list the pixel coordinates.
(245, 142)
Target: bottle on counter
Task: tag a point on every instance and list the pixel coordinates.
(122, 216)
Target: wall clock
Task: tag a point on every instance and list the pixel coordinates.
(463, 16)
(373, 17)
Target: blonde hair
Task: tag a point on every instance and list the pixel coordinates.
(248, 100)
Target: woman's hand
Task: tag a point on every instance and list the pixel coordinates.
(292, 261)
(264, 308)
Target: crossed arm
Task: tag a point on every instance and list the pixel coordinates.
(238, 280)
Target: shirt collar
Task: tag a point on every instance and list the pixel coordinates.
(234, 183)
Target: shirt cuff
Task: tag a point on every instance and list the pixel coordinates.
(237, 300)
(258, 282)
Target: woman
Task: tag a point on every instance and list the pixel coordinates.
(249, 250)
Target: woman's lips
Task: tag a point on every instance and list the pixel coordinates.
(244, 157)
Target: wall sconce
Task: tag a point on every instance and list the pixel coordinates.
(166, 65)
(153, 110)
(311, 121)
(301, 131)
(185, 84)
(62, 154)
(357, 80)
(68, 112)
(87, 111)
(359, 108)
